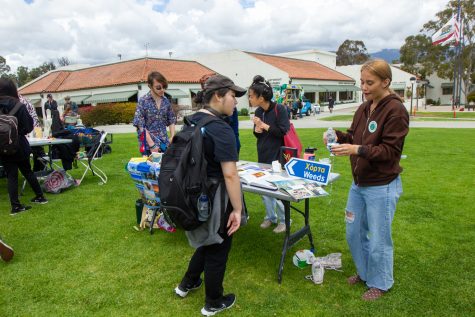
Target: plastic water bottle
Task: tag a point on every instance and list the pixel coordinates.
(331, 139)
(203, 208)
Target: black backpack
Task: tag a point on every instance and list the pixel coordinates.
(183, 182)
(9, 131)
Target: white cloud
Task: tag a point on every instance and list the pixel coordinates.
(96, 31)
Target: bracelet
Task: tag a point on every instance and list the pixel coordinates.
(360, 150)
(154, 146)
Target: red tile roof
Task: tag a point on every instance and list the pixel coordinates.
(122, 73)
(302, 69)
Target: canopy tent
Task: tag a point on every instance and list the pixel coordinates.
(176, 93)
(77, 99)
(340, 87)
(110, 97)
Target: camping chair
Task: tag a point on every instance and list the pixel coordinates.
(95, 153)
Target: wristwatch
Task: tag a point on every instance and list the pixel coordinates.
(154, 146)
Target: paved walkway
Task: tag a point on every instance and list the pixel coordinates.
(314, 122)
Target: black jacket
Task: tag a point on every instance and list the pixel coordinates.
(25, 126)
(269, 142)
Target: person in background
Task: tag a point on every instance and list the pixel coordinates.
(37, 151)
(6, 252)
(212, 242)
(153, 115)
(331, 104)
(67, 113)
(72, 105)
(316, 108)
(21, 159)
(271, 123)
(50, 103)
(374, 143)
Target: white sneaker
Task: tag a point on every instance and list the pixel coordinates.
(280, 228)
(266, 224)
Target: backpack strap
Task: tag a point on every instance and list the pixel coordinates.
(15, 109)
(188, 121)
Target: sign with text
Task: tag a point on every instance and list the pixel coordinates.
(311, 170)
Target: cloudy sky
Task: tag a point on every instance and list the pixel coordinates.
(96, 31)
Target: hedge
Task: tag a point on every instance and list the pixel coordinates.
(108, 113)
(471, 97)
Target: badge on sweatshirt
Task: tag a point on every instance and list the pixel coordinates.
(372, 126)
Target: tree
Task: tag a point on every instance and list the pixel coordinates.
(420, 57)
(351, 53)
(446, 66)
(22, 75)
(63, 61)
(4, 68)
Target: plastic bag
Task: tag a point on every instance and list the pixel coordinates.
(57, 181)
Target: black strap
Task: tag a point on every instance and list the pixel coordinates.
(15, 109)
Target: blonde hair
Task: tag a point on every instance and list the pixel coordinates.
(381, 69)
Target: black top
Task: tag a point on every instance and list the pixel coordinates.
(269, 142)
(25, 126)
(219, 144)
(53, 105)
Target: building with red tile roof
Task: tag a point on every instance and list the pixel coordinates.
(317, 80)
(116, 78)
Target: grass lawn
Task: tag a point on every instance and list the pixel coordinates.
(79, 256)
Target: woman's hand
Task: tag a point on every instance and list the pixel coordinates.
(261, 126)
(234, 222)
(345, 149)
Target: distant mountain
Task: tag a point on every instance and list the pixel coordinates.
(387, 54)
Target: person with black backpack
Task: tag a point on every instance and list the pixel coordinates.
(212, 239)
(19, 156)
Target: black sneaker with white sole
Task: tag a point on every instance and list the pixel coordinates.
(226, 302)
(17, 209)
(39, 200)
(184, 288)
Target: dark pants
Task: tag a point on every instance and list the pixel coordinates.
(211, 260)
(11, 169)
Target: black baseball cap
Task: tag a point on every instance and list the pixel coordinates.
(219, 81)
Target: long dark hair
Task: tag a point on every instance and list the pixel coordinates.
(8, 88)
(262, 87)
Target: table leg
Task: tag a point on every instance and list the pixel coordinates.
(291, 239)
(309, 233)
(286, 239)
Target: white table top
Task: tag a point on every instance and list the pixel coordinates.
(44, 141)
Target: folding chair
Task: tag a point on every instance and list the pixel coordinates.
(95, 153)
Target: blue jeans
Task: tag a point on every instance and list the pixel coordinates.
(272, 213)
(369, 215)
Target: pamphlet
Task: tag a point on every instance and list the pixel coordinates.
(257, 178)
(300, 188)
